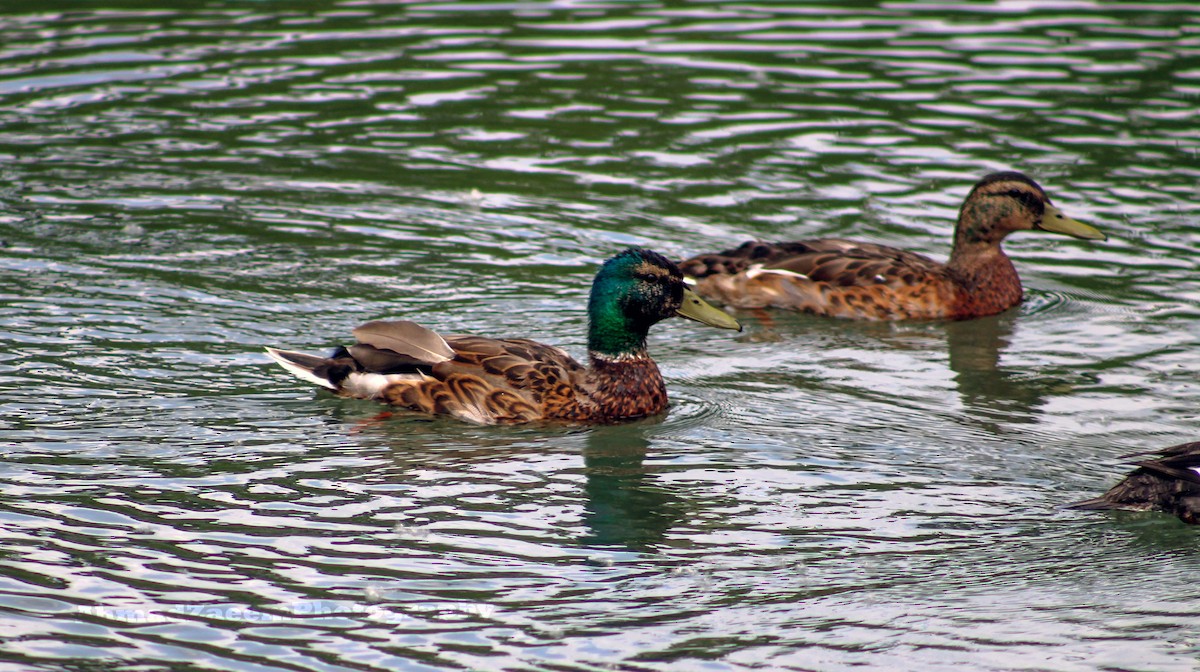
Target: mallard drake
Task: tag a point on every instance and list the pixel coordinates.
(864, 281)
(1169, 483)
(506, 381)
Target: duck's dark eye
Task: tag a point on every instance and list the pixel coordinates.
(1028, 199)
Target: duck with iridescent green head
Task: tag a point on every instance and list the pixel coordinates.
(508, 381)
(865, 281)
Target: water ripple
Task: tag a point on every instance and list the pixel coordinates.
(183, 185)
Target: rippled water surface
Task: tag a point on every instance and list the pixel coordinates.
(183, 183)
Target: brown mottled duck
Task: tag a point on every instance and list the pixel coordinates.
(507, 381)
(1169, 483)
(865, 281)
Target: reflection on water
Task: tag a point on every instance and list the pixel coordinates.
(184, 183)
(993, 395)
(625, 506)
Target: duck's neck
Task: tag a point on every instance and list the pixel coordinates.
(987, 280)
(624, 381)
(612, 331)
(614, 339)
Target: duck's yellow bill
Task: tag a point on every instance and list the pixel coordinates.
(1054, 220)
(696, 308)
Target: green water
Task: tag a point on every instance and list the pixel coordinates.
(185, 183)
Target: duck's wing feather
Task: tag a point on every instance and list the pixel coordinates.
(833, 260)
(1139, 491)
(845, 263)
(493, 381)
(832, 277)
(1178, 462)
(1168, 483)
(406, 340)
(478, 379)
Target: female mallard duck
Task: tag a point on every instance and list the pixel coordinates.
(843, 278)
(492, 381)
(1170, 484)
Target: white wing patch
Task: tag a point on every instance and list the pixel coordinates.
(757, 270)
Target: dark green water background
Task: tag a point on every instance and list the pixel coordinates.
(183, 183)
